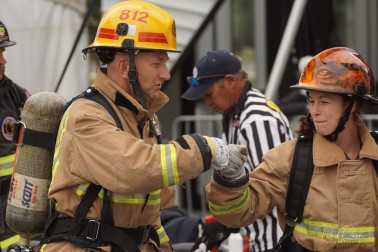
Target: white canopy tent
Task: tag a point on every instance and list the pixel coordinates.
(45, 31)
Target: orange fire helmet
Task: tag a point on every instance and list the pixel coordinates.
(339, 70)
(135, 25)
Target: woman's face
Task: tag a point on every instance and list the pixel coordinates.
(325, 109)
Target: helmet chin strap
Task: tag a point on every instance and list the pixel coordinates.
(133, 77)
(343, 120)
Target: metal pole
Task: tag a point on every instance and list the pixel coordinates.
(260, 43)
(280, 62)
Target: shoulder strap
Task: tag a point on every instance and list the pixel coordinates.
(300, 177)
(299, 182)
(374, 134)
(94, 95)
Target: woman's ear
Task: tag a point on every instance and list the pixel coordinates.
(354, 106)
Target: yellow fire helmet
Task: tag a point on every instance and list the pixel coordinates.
(135, 25)
(339, 70)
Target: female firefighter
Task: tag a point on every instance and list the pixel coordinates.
(341, 209)
(134, 170)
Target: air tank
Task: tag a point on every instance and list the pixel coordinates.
(28, 204)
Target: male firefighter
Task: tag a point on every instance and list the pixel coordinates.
(12, 99)
(135, 171)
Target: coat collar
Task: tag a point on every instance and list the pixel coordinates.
(327, 153)
(123, 99)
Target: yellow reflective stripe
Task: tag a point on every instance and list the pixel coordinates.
(137, 198)
(6, 165)
(232, 207)
(154, 198)
(82, 189)
(7, 242)
(62, 130)
(163, 237)
(332, 231)
(169, 164)
(43, 247)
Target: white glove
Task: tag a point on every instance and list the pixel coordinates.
(201, 248)
(219, 152)
(237, 157)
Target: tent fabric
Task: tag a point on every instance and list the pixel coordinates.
(45, 32)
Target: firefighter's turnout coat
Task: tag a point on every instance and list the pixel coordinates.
(341, 210)
(12, 100)
(138, 173)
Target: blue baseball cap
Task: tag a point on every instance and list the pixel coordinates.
(210, 68)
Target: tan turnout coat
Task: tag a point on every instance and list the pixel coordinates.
(139, 173)
(341, 210)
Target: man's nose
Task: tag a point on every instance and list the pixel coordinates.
(2, 59)
(165, 74)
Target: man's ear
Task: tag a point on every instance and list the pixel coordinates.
(229, 81)
(124, 66)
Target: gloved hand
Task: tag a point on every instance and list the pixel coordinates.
(219, 152)
(237, 157)
(213, 234)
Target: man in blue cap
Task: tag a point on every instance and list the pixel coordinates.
(250, 119)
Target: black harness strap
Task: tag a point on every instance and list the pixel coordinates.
(299, 182)
(94, 95)
(33, 137)
(92, 233)
(86, 202)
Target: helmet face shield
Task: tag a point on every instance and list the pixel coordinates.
(136, 25)
(338, 70)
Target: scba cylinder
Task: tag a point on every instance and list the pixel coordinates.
(28, 205)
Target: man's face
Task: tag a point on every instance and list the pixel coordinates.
(218, 97)
(152, 72)
(2, 63)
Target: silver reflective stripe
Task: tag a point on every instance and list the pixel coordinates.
(169, 164)
(331, 231)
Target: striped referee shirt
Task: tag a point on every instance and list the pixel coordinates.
(258, 123)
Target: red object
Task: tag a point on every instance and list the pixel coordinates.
(246, 245)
